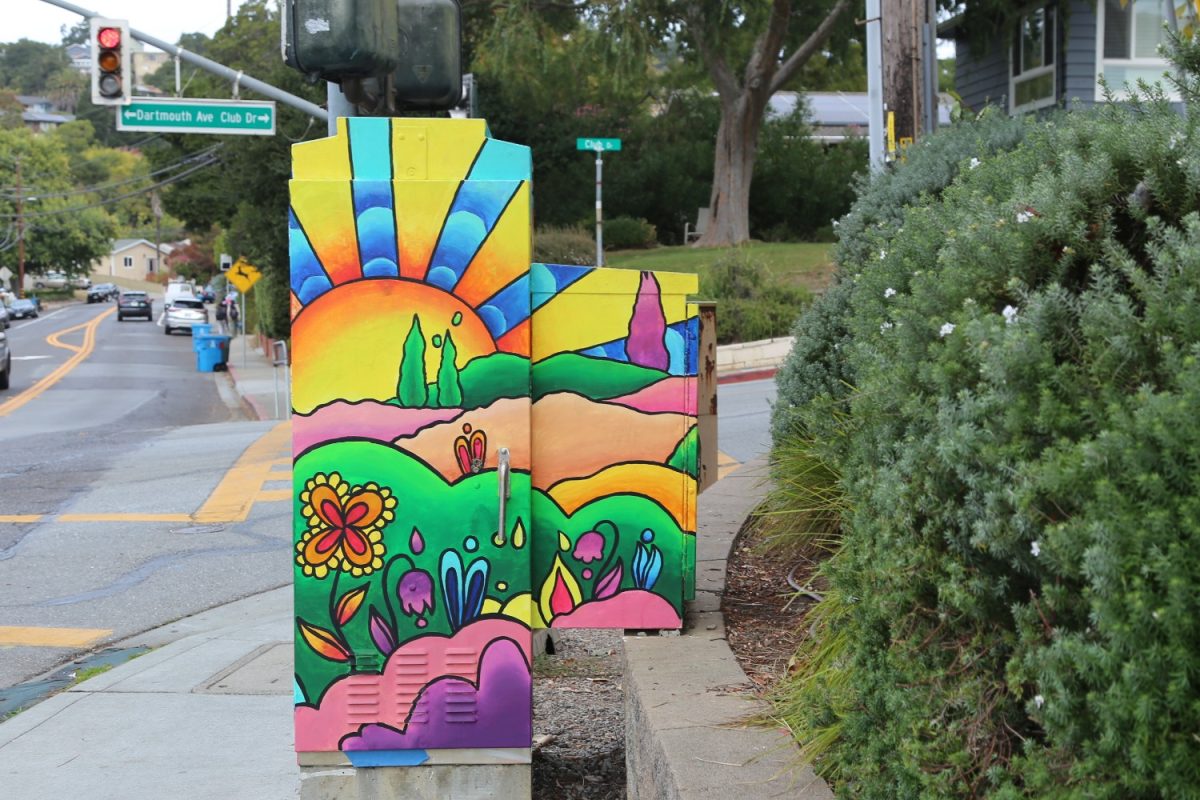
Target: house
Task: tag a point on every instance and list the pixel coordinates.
(81, 57)
(131, 258)
(1057, 52)
(837, 116)
(40, 113)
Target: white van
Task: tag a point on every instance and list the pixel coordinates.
(178, 289)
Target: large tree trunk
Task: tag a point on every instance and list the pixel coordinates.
(733, 170)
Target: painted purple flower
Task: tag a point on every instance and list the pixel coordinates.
(590, 547)
(415, 591)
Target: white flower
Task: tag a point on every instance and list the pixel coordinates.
(889, 292)
(836, 223)
(887, 326)
(1024, 216)
(1155, 614)
(946, 330)
(974, 163)
(882, 255)
(1035, 548)
(1039, 701)
(1010, 315)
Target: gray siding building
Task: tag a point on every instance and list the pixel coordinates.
(1057, 51)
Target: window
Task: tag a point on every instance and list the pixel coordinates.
(128, 262)
(1130, 32)
(1033, 80)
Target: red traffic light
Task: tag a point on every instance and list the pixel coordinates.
(109, 37)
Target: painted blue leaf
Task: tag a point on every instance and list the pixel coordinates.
(476, 585)
(452, 587)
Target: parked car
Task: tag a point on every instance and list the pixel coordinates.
(5, 361)
(5, 317)
(81, 282)
(51, 280)
(208, 295)
(134, 304)
(20, 309)
(101, 292)
(184, 312)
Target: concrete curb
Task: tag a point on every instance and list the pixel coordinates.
(686, 698)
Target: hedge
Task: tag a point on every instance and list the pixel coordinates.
(1006, 382)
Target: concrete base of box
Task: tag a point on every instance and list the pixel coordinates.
(434, 782)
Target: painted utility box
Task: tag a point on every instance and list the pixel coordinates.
(482, 445)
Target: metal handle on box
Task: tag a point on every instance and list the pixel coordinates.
(503, 471)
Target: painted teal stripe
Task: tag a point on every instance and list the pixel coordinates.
(370, 148)
(502, 161)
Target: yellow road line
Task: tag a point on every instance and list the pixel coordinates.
(50, 637)
(20, 517)
(274, 495)
(726, 464)
(235, 494)
(89, 344)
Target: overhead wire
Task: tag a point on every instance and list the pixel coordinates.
(166, 182)
(8, 192)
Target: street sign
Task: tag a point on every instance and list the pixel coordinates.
(597, 144)
(187, 115)
(226, 262)
(243, 275)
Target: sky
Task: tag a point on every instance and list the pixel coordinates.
(165, 19)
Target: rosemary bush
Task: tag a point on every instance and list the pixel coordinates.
(1007, 382)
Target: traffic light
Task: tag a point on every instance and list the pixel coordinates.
(112, 78)
(429, 74)
(336, 39)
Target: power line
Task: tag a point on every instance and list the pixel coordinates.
(29, 194)
(160, 184)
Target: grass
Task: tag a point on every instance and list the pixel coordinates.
(91, 672)
(804, 264)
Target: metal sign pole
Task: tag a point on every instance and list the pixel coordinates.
(241, 323)
(599, 207)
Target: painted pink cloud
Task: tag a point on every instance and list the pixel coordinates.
(414, 664)
(452, 712)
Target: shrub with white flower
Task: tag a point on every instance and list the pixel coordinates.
(1024, 216)
(887, 326)
(974, 163)
(1036, 549)
(946, 330)
(1010, 314)
(889, 292)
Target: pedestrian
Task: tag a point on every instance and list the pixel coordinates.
(234, 318)
(221, 315)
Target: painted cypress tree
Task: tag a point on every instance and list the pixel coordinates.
(646, 345)
(449, 387)
(410, 388)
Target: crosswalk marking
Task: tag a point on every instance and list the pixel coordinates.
(11, 636)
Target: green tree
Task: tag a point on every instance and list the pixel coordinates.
(449, 388)
(26, 65)
(411, 390)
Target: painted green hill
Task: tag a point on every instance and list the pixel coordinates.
(594, 378)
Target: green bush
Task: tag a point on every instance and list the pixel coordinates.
(627, 233)
(566, 245)
(1006, 380)
(751, 304)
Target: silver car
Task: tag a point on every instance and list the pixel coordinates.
(184, 312)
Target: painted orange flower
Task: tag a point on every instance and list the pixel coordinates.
(345, 526)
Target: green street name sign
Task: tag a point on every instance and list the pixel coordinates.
(180, 115)
(597, 144)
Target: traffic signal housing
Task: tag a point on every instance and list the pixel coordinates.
(112, 77)
(429, 74)
(333, 40)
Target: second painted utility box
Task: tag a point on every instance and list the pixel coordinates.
(483, 445)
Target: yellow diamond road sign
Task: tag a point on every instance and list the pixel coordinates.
(243, 275)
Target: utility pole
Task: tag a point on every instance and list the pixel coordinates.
(904, 83)
(20, 235)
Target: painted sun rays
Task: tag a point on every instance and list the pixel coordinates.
(449, 233)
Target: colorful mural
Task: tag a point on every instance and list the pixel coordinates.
(436, 369)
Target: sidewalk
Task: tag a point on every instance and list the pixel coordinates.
(263, 387)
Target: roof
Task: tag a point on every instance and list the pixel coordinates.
(38, 116)
(34, 100)
(125, 244)
(835, 109)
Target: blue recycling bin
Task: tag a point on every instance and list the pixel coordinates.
(212, 352)
(197, 332)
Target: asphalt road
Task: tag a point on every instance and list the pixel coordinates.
(101, 476)
(744, 418)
